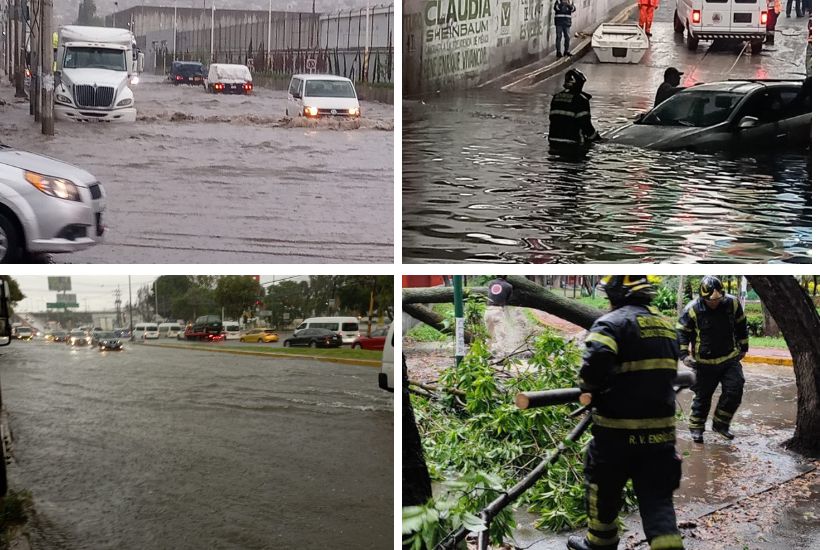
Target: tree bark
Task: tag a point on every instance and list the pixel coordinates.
(770, 327)
(525, 294)
(416, 488)
(794, 312)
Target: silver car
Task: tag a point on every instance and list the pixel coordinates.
(46, 206)
(737, 115)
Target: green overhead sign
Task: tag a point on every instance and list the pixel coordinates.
(61, 305)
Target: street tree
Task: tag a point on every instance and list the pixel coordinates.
(288, 297)
(796, 315)
(87, 14)
(15, 294)
(236, 293)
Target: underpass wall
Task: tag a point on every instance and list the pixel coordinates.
(454, 44)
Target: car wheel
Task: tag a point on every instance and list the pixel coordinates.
(10, 247)
(313, 344)
(676, 23)
(757, 46)
(355, 345)
(691, 41)
(259, 341)
(286, 344)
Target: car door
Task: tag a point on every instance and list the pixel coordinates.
(796, 119)
(717, 15)
(765, 106)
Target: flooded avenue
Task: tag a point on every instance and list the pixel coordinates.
(203, 178)
(479, 184)
(161, 448)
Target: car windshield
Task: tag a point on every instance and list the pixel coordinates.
(350, 327)
(106, 336)
(94, 58)
(77, 333)
(329, 88)
(694, 108)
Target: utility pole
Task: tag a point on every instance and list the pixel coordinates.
(458, 304)
(156, 302)
(213, 9)
(367, 44)
(31, 24)
(175, 31)
(46, 70)
(270, 11)
(130, 311)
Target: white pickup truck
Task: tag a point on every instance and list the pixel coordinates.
(95, 67)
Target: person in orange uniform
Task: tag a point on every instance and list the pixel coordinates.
(647, 14)
(774, 7)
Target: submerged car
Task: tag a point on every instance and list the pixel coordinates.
(224, 78)
(78, 338)
(260, 336)
(59, 336)
(315, 338)
(187, 72)
(736, 115)
(107, 341)
(322, 95)
(46, 206)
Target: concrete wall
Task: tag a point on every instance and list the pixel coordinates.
(460, 43)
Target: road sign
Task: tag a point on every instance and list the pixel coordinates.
(59, 284)
(285, 316)
(263, 313)
(61, 305)
(310, 64)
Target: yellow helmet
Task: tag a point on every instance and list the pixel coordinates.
(619, 288)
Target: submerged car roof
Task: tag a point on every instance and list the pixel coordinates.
(321, 77)
(741, 86)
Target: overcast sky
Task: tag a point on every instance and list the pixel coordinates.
(93, 293)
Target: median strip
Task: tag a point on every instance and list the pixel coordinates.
(274, 354)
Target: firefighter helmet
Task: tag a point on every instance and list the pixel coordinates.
(711, 288)
(574, 79)
(620, 288)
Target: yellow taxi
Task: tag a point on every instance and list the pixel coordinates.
(260, 336)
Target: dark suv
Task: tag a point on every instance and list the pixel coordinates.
(187, 72)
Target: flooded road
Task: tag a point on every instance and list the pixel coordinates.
(479, 184)
(158, 448)
(203, 178)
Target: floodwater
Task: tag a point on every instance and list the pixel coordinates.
(203, 178)
(480, 186)
(158, 448)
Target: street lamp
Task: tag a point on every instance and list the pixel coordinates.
(175, 31)
(114, 15)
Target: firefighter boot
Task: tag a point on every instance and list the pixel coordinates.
(576, 542)
(723, 430)
(697, 435)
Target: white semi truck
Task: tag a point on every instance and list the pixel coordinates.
(95, 67)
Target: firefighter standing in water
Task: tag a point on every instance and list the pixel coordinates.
(712, 328)
(647, 14)
(570, 117)
(629, 367)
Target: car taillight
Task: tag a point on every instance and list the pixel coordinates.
(764, 17)
(695, 16)
(179, 77)
(249, 86)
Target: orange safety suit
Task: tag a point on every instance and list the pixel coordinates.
(647, 14)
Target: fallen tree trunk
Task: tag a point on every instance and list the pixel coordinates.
(525, 294)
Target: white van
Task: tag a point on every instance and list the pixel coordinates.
(386, 374)
(230, 330)
(169, 330)
(322, 95)
(347, 327)
(146, 331)
(740, 20)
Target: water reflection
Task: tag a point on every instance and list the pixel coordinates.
(480, 185)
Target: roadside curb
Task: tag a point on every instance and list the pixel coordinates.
(532, 78)
(359, 362)
(769, 360)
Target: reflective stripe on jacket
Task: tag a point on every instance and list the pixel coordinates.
(570, 119)
(714, 336)
(563, 13)
(629, 365)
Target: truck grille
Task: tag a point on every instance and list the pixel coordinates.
(89, 96)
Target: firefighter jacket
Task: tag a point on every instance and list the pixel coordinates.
(715, 335)
(563, 13)
(629, 366)
(570, 119)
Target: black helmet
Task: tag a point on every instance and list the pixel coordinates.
(574, 78)
(621, 288)
(711, 288)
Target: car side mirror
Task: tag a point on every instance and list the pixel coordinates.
(639, 116)
(748, 122)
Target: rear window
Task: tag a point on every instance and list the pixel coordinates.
(746, 1)
(350, 327)
(189, 70)
(151, 328)
(329, 88)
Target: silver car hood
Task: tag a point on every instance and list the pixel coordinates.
(46, 166)
(655, 136)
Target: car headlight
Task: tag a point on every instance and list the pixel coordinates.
(135, 80)
(125, 102)
(63, 99)
(353, 111)
(311, 111)
(55, 187)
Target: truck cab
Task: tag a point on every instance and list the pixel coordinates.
(96, 67)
